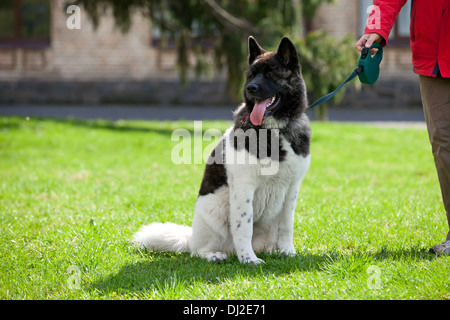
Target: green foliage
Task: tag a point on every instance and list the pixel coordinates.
(326, 62)
(224, 26)
(73, 192)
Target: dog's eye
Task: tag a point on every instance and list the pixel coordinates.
(269, 75)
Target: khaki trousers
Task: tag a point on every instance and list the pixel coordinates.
(436, 106)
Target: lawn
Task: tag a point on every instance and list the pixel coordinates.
(73, 192)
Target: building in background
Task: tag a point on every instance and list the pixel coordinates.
(43, 61)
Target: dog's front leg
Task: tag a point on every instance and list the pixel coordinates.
(285, 242)
(241, 224)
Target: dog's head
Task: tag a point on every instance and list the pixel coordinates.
(274, 85)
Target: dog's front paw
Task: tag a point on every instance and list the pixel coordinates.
(256, 262)
(250, 260)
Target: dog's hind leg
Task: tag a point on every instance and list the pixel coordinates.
(208, 244)
(210, 236)
(265, 237)
(212, 256)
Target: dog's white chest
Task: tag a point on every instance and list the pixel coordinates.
(270, 180)
(271, 193)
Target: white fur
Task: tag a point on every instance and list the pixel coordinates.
(164, 237)
(254, 212)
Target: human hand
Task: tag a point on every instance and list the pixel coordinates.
(367, 40)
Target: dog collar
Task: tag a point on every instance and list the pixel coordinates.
(243, 119)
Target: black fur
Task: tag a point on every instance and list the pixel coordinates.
(299, 138)
(215, 174)
(241, 139)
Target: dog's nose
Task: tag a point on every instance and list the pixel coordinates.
(252, 87)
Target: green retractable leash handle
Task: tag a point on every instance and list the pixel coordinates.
(367, 71)
(370, 65)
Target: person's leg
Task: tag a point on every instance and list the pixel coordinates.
(436, 105)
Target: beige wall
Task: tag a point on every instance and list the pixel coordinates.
(108, 54)
(339, 18)
(88, 54)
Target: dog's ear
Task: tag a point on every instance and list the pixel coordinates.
(254, 50)
(287, 53)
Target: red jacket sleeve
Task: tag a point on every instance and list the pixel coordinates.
(382, 17)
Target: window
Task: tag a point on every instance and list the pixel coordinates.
(24, 23)
(400, 32)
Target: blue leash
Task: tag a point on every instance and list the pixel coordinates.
(368, 70)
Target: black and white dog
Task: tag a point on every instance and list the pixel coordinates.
(249, 189)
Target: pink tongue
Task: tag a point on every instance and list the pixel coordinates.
(257, 115)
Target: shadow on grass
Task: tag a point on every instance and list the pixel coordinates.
(164, 271)
(119, 126)
(144, 126)
(168, 273)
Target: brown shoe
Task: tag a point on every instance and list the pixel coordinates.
(443, 248)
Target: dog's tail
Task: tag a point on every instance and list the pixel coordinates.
(168, 237)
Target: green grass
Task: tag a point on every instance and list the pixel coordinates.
(73, 192)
